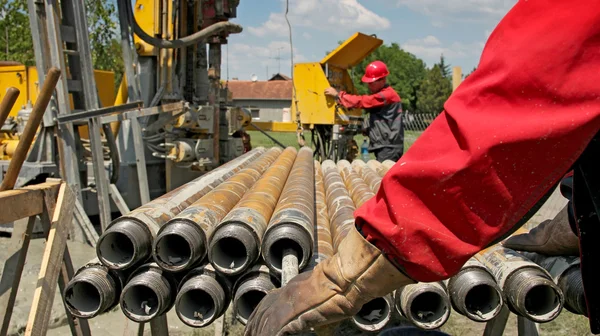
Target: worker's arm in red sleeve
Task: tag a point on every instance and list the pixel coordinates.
(362, 101)
(507, 135)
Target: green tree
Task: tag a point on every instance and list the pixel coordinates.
(16, 43)
(433, 92)
(445, 68)
(406, 73)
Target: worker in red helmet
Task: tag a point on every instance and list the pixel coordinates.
(526, 121)
(384, 127)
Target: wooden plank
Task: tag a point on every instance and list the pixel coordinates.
(23, 202)
(51, 263)
(118, 199)
(13, 268)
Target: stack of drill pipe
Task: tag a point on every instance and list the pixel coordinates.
(203, 296)
(289, 233)
(235, 243)
(475, 293)
(93, 290)
(367, 174)
(339, 204)
(182, 242)
(150, 292)
(250, 288)
(528, 288)
(359, 190)
(425, 304)
(566, 273)
(388, 164)
(377, 167)
(128, 239)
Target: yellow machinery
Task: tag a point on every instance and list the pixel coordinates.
(332, 126)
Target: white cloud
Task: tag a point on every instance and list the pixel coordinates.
(335, 16)
(430, 48)
(306, 35)
(442, 11)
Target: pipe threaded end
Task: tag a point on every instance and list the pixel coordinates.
(233, 249)
(531, 293)
(124, 244)
(148, 294)
(286, 236)
(201, 300)
(91, 292)
(475, 294)
(178, 246)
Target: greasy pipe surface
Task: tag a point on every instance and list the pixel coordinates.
(339, 204)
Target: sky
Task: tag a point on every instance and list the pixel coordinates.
(458, 29)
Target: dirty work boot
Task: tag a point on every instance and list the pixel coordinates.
(334, 290)
(551, 237)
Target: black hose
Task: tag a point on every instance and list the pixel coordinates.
(114, 153)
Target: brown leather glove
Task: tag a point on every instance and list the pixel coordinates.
(334, 290)
(551, 237)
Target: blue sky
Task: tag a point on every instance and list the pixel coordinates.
(427, 28)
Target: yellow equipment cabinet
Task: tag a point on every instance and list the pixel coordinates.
(332, 126)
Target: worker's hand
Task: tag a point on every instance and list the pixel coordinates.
(551, 237)
(334, 290)
(331, 92)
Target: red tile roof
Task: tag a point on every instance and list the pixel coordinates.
(277, 89)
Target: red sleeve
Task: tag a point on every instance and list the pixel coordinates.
(366, 101)
(506, 136)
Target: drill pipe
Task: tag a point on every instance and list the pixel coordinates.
(182, 241)
(339, 204)
(388, 164)
(566, 273)
(368, 175)
(528, 288)
(377, 167)
(292, 223)
(358, 189)
(149, 293)
(425, 304)
(375, 314)
(323, 247)
(93, 290)
(235, 242)
(203, 297)
(474, 292)
(128, 239)
(250, 288)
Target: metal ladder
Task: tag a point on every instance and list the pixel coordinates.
(59, 31)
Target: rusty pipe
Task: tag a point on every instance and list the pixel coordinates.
(323, 247)
(128, 239)
(376, 166)
(358, 189)
(292, 223)
(474, 292)
(182, 242)
(203, 297)
(250, 288)
(26, 138)
(566, 273)
(371, 178)
(340, 206)
(93, 290)
(375, 314)
(425, 304)
(388, 164)
(528, 288)
(12, 93)
(235, 243)
(149, 293)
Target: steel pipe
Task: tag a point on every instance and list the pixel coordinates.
(426, 305)
(182, 242)
(528, 288)
(250, 288)
(340, 206)
(323, 247)
(292, 223)
(371, 178)
(388, 164)
(93, 290)
(375, 314)
(377, 167)
(128, 239)
(474, 292)
(149, 293)
(566, 273)
(235, 243)
(358, 189)
(203, 297)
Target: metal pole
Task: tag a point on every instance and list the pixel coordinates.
(7, 104)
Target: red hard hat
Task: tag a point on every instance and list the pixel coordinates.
(375, 70)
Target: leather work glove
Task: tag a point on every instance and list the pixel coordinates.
(552, 237)
(334, 290)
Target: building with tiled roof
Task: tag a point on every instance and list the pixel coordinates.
(266, 100)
